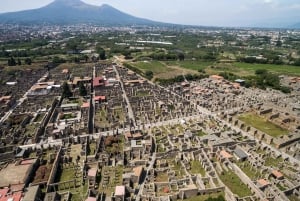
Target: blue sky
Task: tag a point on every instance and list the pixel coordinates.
(194, 12)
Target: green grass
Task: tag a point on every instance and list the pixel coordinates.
(162, 177)
(263, 125)
(67, 174)
(192, 65)
(201, 133)
(92, 148)
(142, 93)
(79, 193)
(30, 129)
(162, 70)
(155, 66)
(293, 198)
(233, 182)
(179, 172)
(119, 114)
(114, 179)
(216, 196)
(196, 168)
(281, 69)
(39, 117)
(100, 118)
(272, 161)
(282, 188)
(246, 168)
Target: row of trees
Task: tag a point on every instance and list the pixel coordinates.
(181, 78)
(276, 60)
(262, 79)
(67, 92)
(13, 62)
(167, 56)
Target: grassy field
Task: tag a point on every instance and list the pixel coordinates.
(241, 69)
(263, 125)
(246, 168)
(233, 182)
(206, 197)
(196, 168)
(155, 66)
(170, 69)
(273, 161)
(162, 177)
(110, 178)
(193, 65)
(67, 174)
(281, 69)
(161, 69)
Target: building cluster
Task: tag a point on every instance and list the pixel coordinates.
(129, 139)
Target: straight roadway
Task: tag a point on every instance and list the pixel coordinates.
(129, 108)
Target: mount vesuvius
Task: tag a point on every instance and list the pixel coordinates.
(74, 12)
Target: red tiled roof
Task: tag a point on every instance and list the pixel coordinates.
(138, 171)
(85, 105)
(4, 197)
(277, 174)
(217, 77)
(98, 98)
(92, 172)
(3, 192)
(263, 182)
(96, 81)
(225, 154)
(65, 71)
(27, 162)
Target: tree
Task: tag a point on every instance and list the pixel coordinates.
(58, 60)
(82, 89)
(149, 74)
(181, 56)
(66, 93)
(297, 62)
(76, 60)
(11, 62)
(278, 43)
(86, 58)
(19, 62)
(72, 45)
(261, 72)
(28, 61)
(101, 52)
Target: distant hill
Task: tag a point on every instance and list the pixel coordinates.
(74, 12)
(296, 26)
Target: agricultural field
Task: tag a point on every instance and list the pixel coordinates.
(278, 69)
(189, 64)
(162, 70)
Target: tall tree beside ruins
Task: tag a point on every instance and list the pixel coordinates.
(82, 89)
(67, 93)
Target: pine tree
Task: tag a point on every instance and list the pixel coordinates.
(66, 90)
(82, 89)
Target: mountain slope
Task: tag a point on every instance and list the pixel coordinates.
(73, 12)
(296, 26)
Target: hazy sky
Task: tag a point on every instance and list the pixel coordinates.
(193, 12)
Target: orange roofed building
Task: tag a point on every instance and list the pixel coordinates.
(216, 77)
